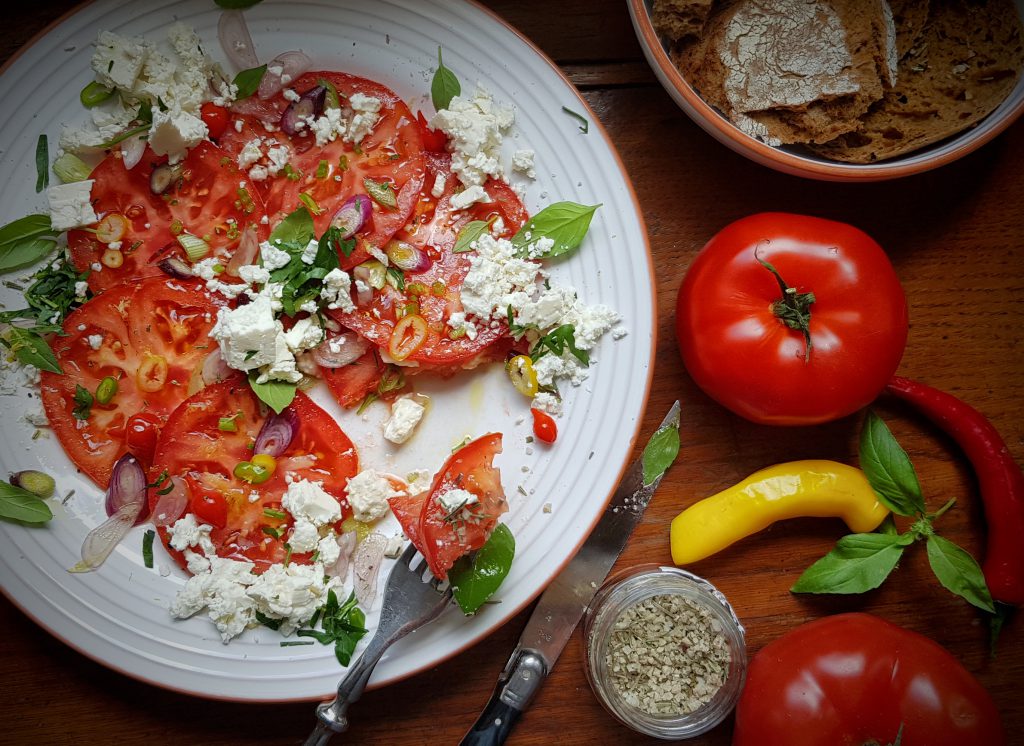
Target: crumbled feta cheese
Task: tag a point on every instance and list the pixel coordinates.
(366, 112)
(81, 288)
(522, 161)
(328, 550)
(309, 253)
(337, 290)
(250, 154)
(457, 321)
(70, 205)
(308, 500)
(277, 158)
(546, 402)
(187, 533)
(174, 132)
(368, 494)
(273, 257)
(327, 127)
(291, 594)
(118, 60)
(304, 335)
(406, 414)
(468, 197)
(453, 500)
(497, 278)
(290, 94)
(222, 591)
(95, 341)
(259, 173)
(253, 274)
(475, 128)
(304, 536)
(248, 334)
(440, 181)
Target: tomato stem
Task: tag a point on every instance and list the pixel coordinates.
(793, 309)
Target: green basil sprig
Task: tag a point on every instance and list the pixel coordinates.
(469, 233)
(474, 579)
(17, 504)
(564, 223)
(275, 394)
(445, 86)
(25, 241)
(660, 452)
(861, 562)
(247, 81)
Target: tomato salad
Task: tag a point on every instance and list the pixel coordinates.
(230, 247)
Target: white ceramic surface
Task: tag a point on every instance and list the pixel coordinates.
(118, 614)
(795, 160)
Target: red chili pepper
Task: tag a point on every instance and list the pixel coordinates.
(544, 426)
(1000, 482)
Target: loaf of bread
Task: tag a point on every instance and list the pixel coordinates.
(854, 80)
(965, 63)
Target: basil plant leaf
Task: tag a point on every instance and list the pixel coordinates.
(859, 562)
(661, 452)
(17, 504)
(31, 349)
(24, 253)
(445, 86)
(470, 232)
(888, 469)
(275, 394)
(563, 224)
(247, 81)
(474, 580)
(295, 230)
(958, 572)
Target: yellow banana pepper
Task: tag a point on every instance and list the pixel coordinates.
(812, 488)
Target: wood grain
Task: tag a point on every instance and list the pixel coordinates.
(956, 237)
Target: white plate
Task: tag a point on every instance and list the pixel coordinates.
(118, 614)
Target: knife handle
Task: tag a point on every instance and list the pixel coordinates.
(523, 675)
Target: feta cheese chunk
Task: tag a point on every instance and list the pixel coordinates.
(453, 500)
(248, 335)
(118, 60)
(337, 290)
(365, 115)
(469, 197)
(308, 500)
(522, 161)
(291, 594)
(71, 206)
(304, 536)
(368, 494)
(475, 127)
(174, 132)
(406, 414)
(273, 257)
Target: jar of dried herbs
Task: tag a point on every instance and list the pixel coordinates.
(665, 652)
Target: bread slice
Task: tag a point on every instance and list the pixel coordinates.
(794, 70)
(680, 19)
(967, 61)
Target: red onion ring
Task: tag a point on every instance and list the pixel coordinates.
(367, 562)
(175, 267)
(215, 369)
(292, 65)
(100, 542)
(235, 40)
(407, 257)
(131, 152)
(350, 347)
(351, 215)
(127, 487)
(309, 106)
(245, 252)
(277, 433)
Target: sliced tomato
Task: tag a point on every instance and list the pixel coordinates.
(206, 200)
(351, 383)
(434, 229)
(193, 447)
(141, 433)
(389, 154)
(215, 118)
(443, 538)
(433, 140)
(152, 337)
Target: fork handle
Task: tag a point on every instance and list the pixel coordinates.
(333, 715)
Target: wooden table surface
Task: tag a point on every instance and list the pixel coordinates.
(955, 237)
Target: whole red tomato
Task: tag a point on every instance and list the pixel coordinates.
(855, 679)
(742, 342)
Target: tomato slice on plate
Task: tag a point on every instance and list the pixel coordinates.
(150, 336)
(351, 383)
(330, 174)
(434, 294)
(193, 447)
(441, 538)
(205, 200)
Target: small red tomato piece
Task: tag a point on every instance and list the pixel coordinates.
(209, 507)
(433, 140)
(215, 118)
(140, 435)
(544, 426)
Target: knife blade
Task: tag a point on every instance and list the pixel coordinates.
(565, 600)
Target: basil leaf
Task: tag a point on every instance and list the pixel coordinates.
(858, 563)
(247, 81)
(147, 548)
(24, 253)
(661, 452)
(29, 226)
(296, 229)
(445, 85)
(958, 572)
(564, 223)
(237, 4)
(888, 468)
(17, 504)
(584, 124)
(275, 394)
(31, 349)
(470, 232)
(475, 579)
(42, 164)
(381, 192)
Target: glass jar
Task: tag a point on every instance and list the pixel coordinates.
(631, 587)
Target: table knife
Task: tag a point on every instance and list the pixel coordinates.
(562, 605)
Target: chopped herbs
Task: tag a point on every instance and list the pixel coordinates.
(309, 202)
(272, 531)
(147, 548)
(584, 123)
(83, 400)
(667, 656)
(278, 514)
(557, 341)
(295, 643)
(322, 169)
(344, 625)
(42, 164)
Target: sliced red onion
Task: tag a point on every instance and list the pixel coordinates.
(281, 71)
(245, 252)
(175, 267)
(127, 487)
(277, 433)
(235, 40)
(170, 506)
(350, 216)
(309, 106)
(367, 562)
(407, 257)
(215, 369)
(346, 545)
(131, 152)
(268, 112)
(340, 350)
(100, 542)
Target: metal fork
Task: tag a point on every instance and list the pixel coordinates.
(409, 603)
